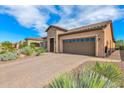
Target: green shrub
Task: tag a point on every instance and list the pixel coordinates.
(97, 76)
(109, 70)
(7, 46)
(22, 45)
(121, 47)
(90, 79)
(8, 56)
(32, 45)
(40, 50)
(119, 44)
(26, 50)
(83, 80)
(2, 52)
(64, 81)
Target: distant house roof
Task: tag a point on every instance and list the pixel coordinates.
(38, 39)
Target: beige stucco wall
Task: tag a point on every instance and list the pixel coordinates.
(99, 40)
(33, 41)
(53, 33)
(108, 38)
(102, 37)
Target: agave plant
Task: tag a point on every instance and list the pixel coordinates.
(97, 76)
(109, 70)
(40, 51)
(8, 56)
(90, 79)
(63, 81)
(84, 80)
(26, 50)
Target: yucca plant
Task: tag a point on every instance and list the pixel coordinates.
(90, 79)
(66, 80)
(84, 80)
(109, 70)
(40, 51)
(96, 76)
(26, 51)
(8, 56)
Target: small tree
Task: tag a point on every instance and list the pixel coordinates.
(119, 44)
(7, 46)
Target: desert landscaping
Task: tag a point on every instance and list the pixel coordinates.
(34, 67)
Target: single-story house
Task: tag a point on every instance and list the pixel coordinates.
(37, 42)
(93, 40)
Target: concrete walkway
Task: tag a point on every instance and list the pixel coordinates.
(115, 55)
(36, 72)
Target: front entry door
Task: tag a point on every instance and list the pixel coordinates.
(52, 45)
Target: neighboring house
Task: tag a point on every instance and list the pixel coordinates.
(93, 40)
(37, 42)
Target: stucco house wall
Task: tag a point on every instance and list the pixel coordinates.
(103, 33)
(51, 34)
(54, 33)
(99, 35)
(109, 38)
(33, 41)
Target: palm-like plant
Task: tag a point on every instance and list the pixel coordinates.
(85, 80)
(109, 70)
(98, 76)
(90, 79)
(63, 81)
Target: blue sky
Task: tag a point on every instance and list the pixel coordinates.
(20, 22)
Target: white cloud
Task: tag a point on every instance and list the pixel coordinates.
(91, 14)
(37, 16)
(28, 16)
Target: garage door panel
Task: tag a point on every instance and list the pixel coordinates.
(86, 47)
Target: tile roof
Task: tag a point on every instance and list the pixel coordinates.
(56, 27)
(96, 26)
(90, 27)
(39, 39)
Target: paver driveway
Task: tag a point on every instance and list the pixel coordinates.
(37, 71)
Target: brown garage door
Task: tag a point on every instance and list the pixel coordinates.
(83, 46)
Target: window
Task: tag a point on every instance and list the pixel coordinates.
(69, 41)
(78, 40)
(73, 40)
(92, 39)
(87, 39)
(82, 40)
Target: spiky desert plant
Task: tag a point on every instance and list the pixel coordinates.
(26, 51)
(109, 70)
(83, 80)
(40, 51)
(8, 56)
(96, 76)
(66, 80)
(90, 79)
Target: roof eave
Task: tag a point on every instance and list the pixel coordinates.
(80, 31)
(61, 29)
